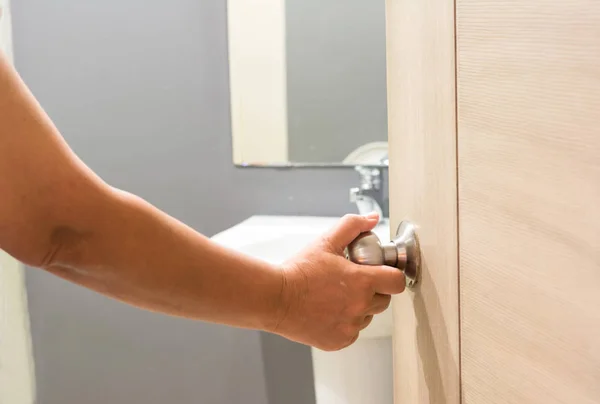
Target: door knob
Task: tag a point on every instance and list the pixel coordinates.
(403, 252)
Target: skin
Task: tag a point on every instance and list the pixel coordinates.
(58, 215)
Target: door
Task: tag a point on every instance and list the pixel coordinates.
(495, 154)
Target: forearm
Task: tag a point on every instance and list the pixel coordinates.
(55, 213)
(123, 247)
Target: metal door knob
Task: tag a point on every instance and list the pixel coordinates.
(403, 252)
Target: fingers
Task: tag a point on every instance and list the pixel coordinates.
(380, 304)
(350, 227)
(387, 280)
(366, 322)
(352, 341)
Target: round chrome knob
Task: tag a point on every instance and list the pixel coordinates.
(367, 249)
(403, 252)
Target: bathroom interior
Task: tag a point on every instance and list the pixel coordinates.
(258, 123)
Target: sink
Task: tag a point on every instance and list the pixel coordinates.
(277, 238)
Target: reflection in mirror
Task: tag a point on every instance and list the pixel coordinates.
(308, 82)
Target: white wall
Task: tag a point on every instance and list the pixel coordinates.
(5, 28)
(16, 362)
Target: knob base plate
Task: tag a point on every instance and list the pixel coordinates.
(408, 252)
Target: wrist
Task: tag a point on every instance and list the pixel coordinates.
(287, 300)
(275, 299)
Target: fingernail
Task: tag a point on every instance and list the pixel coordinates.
(372, 215)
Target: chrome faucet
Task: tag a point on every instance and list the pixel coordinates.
(368, 196)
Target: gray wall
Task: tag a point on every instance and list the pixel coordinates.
(140, 91)
(336, 77)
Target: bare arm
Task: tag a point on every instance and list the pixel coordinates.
(56, 214)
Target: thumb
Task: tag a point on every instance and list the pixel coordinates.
(350, 227)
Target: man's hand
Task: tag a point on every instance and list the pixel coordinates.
(328, 300)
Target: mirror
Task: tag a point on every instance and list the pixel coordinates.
(308, 82)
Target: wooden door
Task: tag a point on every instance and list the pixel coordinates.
(529, 200)
(495, 154)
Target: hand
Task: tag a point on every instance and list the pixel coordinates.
(326, 299)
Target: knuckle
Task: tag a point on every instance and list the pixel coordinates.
(383, 307)
(367, 322)
(327, 243)
(364, 278)
(352, 340)
(351, 219)
(349, 330)
(359, 306)
(398, 282)
(383, 304)
(361, 278)
(330, 345)
(347, 335)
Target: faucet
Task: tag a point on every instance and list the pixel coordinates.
(369, 194)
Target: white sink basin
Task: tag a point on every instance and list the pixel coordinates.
(277, 238)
